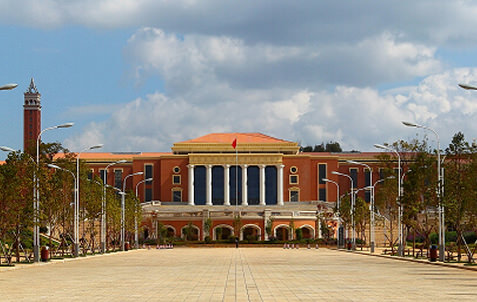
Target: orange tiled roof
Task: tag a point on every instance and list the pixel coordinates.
(116, 155)
(242, 138)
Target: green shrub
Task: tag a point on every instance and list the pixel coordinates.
(299, 234)
(470, 237)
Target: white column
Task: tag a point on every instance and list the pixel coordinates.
(262, 185)
(244, 186)
(208, 185)
(191, 184)
(280, 185)
(226, 185)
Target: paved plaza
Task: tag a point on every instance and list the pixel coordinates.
(244, 274)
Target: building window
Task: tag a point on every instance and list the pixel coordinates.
(90, 174)
(367, 193)
(118, 176)
(294, 195)
(293, 179)
(321, 173)
(176, 179)
(148, 169)
(148, 194)
(322, 194)
(293, 169)
(101, 174)
(218, 185)
(353, 172)
(176, 169)
(177, 195)
(381, 173)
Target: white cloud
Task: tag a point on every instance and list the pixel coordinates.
(188, 62)
(299, 72)
(277, 22)
(356, 117)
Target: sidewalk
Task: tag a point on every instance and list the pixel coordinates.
(379, 252)
(17, 266)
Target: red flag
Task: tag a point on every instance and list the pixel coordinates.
(234, 143)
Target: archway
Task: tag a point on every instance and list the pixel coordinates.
(170, 231)
(223, 232)
(282, 232)
(251, 232)
(190, 233)
(307, 232)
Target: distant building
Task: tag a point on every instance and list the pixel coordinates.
(221, 176)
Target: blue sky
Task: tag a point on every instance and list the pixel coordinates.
(141, 75)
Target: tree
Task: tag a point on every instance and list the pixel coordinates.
(207, 226)
(113, 217)
(50, 184)
(269, 227)
(459, 186)
(419, 197)
(237, 225)
(328, 147)
(291, 228)
(16, 200)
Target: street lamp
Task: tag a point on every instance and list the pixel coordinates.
(467, 87)
(103, 205)
(8, 86)
(7, 149)
(400, 208)
(123, 195)
(78, 194)
(353, 233)
(442, 239)
(136, 234)
(371, 235)
(339, 231)
(36, 196)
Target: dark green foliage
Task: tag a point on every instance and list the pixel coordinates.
(328, 147)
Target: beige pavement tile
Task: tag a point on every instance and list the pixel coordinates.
(245, 274)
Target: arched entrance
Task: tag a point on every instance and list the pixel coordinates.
(190, 233)
(223, 232)
(282, 233)
(251, 232)
(307, 232)
(170, 231)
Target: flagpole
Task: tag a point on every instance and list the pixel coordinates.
(236, 177)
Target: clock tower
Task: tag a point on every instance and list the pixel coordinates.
(31, 118)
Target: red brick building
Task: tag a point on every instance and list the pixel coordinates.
(218, 176)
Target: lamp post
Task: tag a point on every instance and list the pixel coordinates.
(36, 196)
(339, 231)
(440, 209)
(103, 205)
(123, 195)
(75, 231)
(8, 86)
(401, 245)
(353, 233)
(136, 233)
(467, 87)
(371, 231)
(78, 194)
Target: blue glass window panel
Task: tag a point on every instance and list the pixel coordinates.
(253, 185)
(217, 185)
(235, 178)
(271, 185)
(199, 185)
